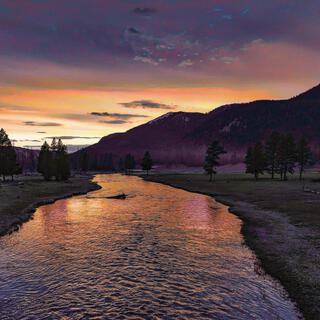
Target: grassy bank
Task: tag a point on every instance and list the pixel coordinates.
(281, 224)
(19, 200)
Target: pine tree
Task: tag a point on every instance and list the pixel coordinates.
(215, 150)
(62, 162)
(255, 160)
(147, 162)
(45, 162)
(17, 170)
(14, 167)
(287, 156)
(54, 162)
(110, 162)
(84, 161)
(8, 157)
(107, 162)
(304, 155)
(129, 163)
(271, 151)
(120, 165)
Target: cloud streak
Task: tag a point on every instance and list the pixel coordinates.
(147, 104)
(118, 116)
(26, 140)
(71, 137)
(11, 107)
(41, 124)
(114, 121)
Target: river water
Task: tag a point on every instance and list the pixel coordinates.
(163, 253)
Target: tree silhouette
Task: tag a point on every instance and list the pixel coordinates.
(304, 155)
(107, 162)
(287, 156)
(147, 162)
(13, 166)
(8, 158)
(53, 149)
(120, 165)
(62, 162)
(255, 160)
(129, 163)
(215, 150)
(271, 151)
(84, 161)
(53, 161)
(45, 162)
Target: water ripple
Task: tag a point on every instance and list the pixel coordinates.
(161, 254)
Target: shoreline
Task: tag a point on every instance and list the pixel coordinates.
(271, 236)
(16, 220)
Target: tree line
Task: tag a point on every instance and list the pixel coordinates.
(126, 164)
(280, 155)
(9, 165)
(53, 161)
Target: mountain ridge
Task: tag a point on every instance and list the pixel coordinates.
(181, 138)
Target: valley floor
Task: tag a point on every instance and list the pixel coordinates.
(281, 224)
(18, 200)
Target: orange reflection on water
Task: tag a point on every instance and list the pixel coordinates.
(161, 253)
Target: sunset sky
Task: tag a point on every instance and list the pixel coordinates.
(82, 69)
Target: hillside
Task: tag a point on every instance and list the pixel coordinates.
(27, 158)
(180, 138)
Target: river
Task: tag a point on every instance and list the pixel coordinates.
(162, 253)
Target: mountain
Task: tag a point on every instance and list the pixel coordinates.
(181, 138)
(162, 136)
(27, 158)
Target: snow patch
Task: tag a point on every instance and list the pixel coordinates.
(233, 123)
(164, 116)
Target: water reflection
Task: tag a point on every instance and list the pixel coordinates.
(161, 254)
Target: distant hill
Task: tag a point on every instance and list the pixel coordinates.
(27, 158)
(181, 138)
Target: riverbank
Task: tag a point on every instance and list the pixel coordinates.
(19, 200)
(281, 224)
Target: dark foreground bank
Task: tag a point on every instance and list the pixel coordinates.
(19, 200)
(281, 224)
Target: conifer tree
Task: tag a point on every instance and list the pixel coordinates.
(304, 155)
(14, 167)
(84, 162)
(255, 160)
(287, 156)
(147, 162)
(129, 163)
(45, 162)
(271, 151)
(54, 162)
(120, 165)
(110, 162)
(8, 157)
(62, 162)
(215, 150)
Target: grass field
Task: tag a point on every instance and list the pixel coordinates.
(19, 199)
(281, 224)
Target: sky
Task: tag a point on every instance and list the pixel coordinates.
(82, 69)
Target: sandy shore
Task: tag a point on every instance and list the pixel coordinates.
(280, 223)
(19, 200)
